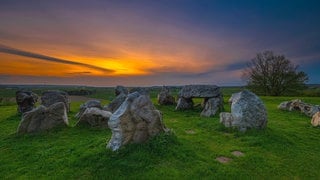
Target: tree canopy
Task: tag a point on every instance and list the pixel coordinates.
(275, 75)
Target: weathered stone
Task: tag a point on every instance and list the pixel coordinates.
(95, 117)
(165, 98)
(26, 101)
(135, 121)
(247, 111)
(44, 118)
(315, 121)
(226, 119)
(211, 106)
(88, 104)
(212, 103)
(53, 96)
(121, 95)
(298, 105)
(140, 90)
(284, 105)
(121, 90)
(201, 91)
(184, 104)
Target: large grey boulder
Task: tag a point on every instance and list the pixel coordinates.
(121, 95)
(165, 98)
(26, 101)
(247, 111)
(135, 121)
(53, 96)
(94, 117)
(212, 95)
(88, 104)
(44, 118)
(298, 105)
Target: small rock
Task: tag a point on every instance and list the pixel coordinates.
(88, 104)
(190, 131)
(237, 153)
(223, 160)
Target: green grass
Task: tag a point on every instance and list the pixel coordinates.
(288, 148)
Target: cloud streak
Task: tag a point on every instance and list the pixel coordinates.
(13, 51)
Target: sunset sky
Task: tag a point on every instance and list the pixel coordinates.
(152, 42)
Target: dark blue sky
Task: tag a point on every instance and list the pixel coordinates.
(155, 42)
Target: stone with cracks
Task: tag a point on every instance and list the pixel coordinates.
(53, 96)
(298, 105)
(247, 111)
(165, 98)
(26, 101)
(315, 121)
(121, 94)
(212, 98)
(135, 121)
(211, 106)
(94, 117)
(88, 104)
(43, 119)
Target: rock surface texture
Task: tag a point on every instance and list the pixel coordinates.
(88, 104)
(121, 95)
(26, 101)
(135, 121)
(298, 105)
(94, 117)
(53, 96)
(212, 103)
(43, 118)
(247, 111)
(315, 121)
(165, 98)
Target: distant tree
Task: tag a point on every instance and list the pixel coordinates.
(275, 75)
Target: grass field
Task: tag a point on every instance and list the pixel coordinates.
(288, 148)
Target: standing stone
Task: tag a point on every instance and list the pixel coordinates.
(247, 111)
(315, 121)
(88, 104)
(184, 103)
(121, 95)
(165, 98)
(44, 118)
(53, 96)
(95, 117)
(135, 121)
(26, 101)
(211, 106)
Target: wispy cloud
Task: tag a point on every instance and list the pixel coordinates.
(9, 50)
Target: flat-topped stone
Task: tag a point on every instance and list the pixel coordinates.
(201, 91)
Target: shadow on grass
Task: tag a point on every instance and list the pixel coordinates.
(134, 160)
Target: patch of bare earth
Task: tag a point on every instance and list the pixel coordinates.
(190, 131)
(237, 153)
(223, 160)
